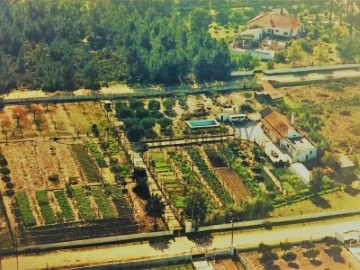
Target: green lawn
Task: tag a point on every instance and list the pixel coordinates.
(337, 201)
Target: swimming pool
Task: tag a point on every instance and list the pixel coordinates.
(203, 123)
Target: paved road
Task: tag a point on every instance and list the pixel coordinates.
(180, 246)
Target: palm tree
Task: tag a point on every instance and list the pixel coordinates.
(155, 207)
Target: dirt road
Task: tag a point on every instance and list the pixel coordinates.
(179, 246)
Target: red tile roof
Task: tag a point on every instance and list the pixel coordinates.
(276, 123)
(272, 20)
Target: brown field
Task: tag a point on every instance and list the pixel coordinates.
(31, 163)
(228, 264)
(233, 184)
(65, 119)
(341, 115)
(322, 261)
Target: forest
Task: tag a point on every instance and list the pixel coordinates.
(72, 44)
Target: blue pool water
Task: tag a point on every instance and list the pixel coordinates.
(202, 123)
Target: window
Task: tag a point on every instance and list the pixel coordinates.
(291, 31)
(310, 152)
(269, 30)
(286, 33)
(276, 31)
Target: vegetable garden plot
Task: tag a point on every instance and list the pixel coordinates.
(106, 208)
(209, 176)
(86, 162)
(46, 210)
(26, 213)
(65, 207)
(82, 203)
(290, 182)
(233, 184)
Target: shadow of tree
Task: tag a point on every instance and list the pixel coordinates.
(315, 262)
(201, 238)
(352, 191)
(293, 265)
(271, 266)
(335, 255)
(320, 202)
(160, 243)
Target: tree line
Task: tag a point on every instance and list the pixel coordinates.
(70, 44)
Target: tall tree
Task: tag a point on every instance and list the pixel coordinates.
(294, 53)
(155, 208)
(196, 208)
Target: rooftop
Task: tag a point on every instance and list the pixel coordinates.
(275, 122)
(273, 20)
(301, 142)
(273, 93)
(345, 162)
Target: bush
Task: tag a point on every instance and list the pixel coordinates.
(9, 192)
(6, 178)
(9, 185)
(5, 171)
(53, 177)
(247, 108)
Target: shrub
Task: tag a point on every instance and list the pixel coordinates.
(248, 95)
(6, 178)
(5, 171)
(9, 185)
(9, 192)
(53, 177)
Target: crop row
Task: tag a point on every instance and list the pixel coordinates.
(83, 204)
(23, 203)
(102, 202)
(209, 176)
(45, 207)
(99, 157)
(87, 164)
(66, 210)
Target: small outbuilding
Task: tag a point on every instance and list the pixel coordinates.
(346, 168)
(302, 172)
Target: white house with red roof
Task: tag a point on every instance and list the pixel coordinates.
(282, 132)
(276, 23)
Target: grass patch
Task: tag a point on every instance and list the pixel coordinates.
(46, 211)
(87, 164)
(286, 176)
(102, 202)
(82, 203)
(65, 207)
(26, 213)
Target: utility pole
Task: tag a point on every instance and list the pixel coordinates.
(232, 234)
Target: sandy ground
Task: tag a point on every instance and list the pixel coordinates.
(345, 261)
(116, 89)
(342, 130)
(25, 94)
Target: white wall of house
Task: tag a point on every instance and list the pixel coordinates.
(283, 32)
(304, 154)
(222, 116)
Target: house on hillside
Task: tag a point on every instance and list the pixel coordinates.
(249, 37)
(276, 23)
(282, 132)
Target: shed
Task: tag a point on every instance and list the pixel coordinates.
(346, 167)
(302, 172)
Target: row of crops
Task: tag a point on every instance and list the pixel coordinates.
(168, 178)
(86, 162)
(86, 203)
(209, 176)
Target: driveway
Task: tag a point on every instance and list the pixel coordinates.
(253, 132)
